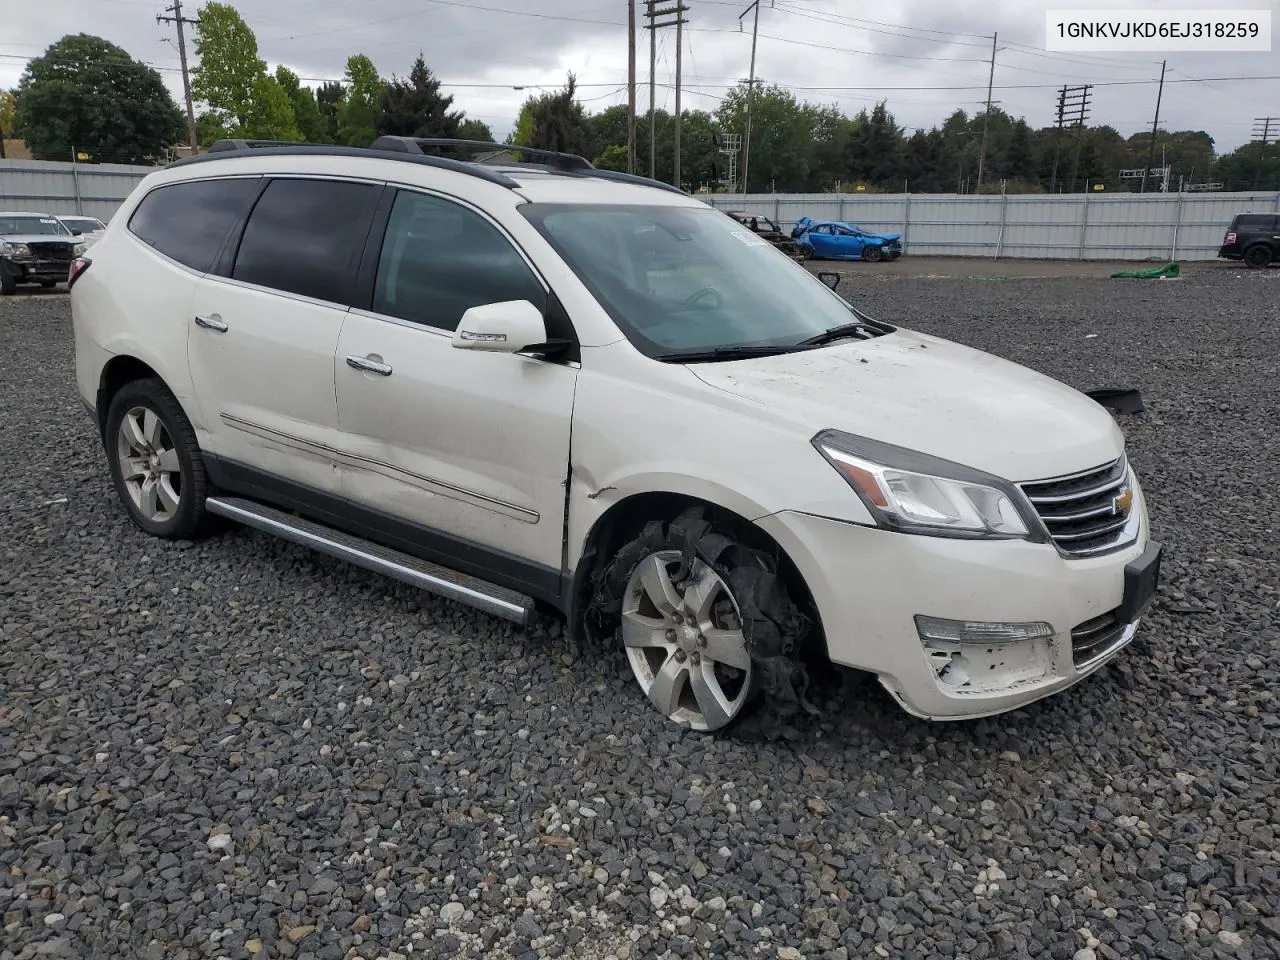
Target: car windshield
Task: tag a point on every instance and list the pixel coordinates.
(87, 224)
(683, 280)
(16, 226)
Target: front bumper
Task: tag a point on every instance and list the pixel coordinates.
(36, 270)
(869, 584)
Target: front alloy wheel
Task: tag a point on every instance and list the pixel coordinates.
(682, 631)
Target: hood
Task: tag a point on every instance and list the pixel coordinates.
(37, 238)
(886, 237)
(932, 396)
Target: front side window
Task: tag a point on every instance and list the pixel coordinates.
(32, 226)
(439, 259)
(306, 236)
(687, 279)
(188, 221)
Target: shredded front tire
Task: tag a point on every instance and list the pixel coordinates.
(709, 625)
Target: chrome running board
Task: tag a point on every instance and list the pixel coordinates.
(428, 576)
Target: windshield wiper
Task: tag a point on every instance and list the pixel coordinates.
(741, 352)
(839, 333)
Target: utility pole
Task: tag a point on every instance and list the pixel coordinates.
(1151, 151)
(986, 117)
(653, 15)
(179, 19)
(631, 86)
(1264, 128)
(680, 8)
(1073, 106)
(750, 86)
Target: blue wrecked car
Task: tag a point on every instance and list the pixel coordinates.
(833, 240)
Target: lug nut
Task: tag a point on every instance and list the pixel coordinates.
(680, 656)
(694, 658)
(678, 617)
(702, 641)
(671, 636)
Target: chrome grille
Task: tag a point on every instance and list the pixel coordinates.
(1095, 637)
(1084, 512)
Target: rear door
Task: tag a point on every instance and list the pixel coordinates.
(265, 325)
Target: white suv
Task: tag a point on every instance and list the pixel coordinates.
(540, 385)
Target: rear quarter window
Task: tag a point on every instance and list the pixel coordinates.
(1254, 221)
(188, 221)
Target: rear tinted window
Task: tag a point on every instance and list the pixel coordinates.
(306, 236)
(189, 221)
(1254, 221)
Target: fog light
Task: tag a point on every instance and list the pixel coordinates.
(977, 631)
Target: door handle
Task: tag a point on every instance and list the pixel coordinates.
(212, 322)
(369, 365)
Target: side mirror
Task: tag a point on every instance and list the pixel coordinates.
(832, 280)
(511, 326)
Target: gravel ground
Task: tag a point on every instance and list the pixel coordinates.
(240, 749)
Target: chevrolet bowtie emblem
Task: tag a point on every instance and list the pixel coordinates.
(1123, 503)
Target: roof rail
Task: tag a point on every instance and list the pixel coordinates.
(553, 158)
(317, 150)
(222, 146)
(619, 177)
(414, 150)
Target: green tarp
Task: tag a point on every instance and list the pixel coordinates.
(1155, 273)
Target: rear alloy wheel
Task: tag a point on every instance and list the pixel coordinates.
(872, 254)
(1258, 255)
(155, 460)
(683, 635)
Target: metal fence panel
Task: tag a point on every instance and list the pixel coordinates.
(48, 186)
(1185, 226)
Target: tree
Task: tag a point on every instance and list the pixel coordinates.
(781, 146)
(229, 68)
(554, 121)
(271, 113)
(474, 130)
(416, 107)
(306, 112)
(86, 94)
(330, 97)
(358, 114)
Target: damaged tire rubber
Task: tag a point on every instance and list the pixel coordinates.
(709, 627)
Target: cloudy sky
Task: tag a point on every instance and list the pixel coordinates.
(925, 57)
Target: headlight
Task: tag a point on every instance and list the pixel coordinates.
(915, 493)
(78, 249)
(15, 249)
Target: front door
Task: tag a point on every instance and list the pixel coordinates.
(473, 446)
